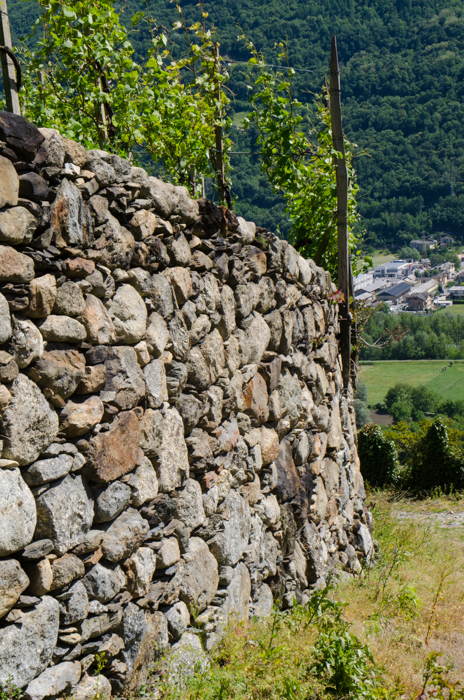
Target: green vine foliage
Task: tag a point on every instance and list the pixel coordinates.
(298, 159)
(377, 455)
(81, 78)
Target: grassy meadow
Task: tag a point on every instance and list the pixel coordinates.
(438, 375)
(382, 256)
(371, 636)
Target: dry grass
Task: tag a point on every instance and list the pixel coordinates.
(412, 602)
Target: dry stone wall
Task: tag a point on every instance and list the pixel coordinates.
(175, 439)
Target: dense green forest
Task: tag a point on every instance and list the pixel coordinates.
(437, 336)
(402, 80)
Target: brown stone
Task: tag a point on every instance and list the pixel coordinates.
(40, 577)
(9, 372)
(42, 297)
(97, 322)
(74, 153)
(13, 581)
(143, 224)
(256, 260)
(256, 398)
(114, 453)
(181, 282)
(14, 266)
(78, 267)
(269, 444)
(66, 569)
(93, 380)
(59, 370)
(200, 261)
(79, 418)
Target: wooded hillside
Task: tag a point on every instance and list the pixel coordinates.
(402, 70)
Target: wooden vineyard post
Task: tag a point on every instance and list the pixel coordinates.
(342, 212)
(223, 190)
(8, 68)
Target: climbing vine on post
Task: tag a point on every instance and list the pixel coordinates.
(81, 78)
(298, 159)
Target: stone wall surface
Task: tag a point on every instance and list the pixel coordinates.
(175, 439)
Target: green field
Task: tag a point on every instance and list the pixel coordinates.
(438, 375)
(456, 310)
(382, 256)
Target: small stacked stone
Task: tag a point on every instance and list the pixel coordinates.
(175, 440)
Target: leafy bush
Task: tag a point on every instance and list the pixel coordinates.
(362, 413)
(404, 401)
(377, 454)
(361, 392)
(435, 464)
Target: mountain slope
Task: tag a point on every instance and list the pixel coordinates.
(402, 81)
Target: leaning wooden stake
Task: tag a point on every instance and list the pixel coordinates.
(220, 172)
(8, 69)
(342, 212)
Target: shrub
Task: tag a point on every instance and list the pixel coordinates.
(435, 464)
(378, 457)
(361, 392)
(362, 413)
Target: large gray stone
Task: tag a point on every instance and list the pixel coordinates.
(45, 470)
(145, 638)
(200, 577)
(111, 501)
(238, 595)
(9, 187)
(161, 295)
(76, 602)
(178, 618)
(143, 483)
(97, 321)
(94, 627)
(18, 512)
(157, 333)
(228, 546)
(128, 314)
(163, 441)
(155, 380)
(65, 513)
(123, 377)
(5, 320)
(54, 681)
(26, 647)
(13, 581)
(124, 535)
(29, 424)
(102, 584)
(212, 350)
(26, 344)
(189, 505)
(69, 300)
(91, 687)
(187, 657)
(139, 570)
(63, 329)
